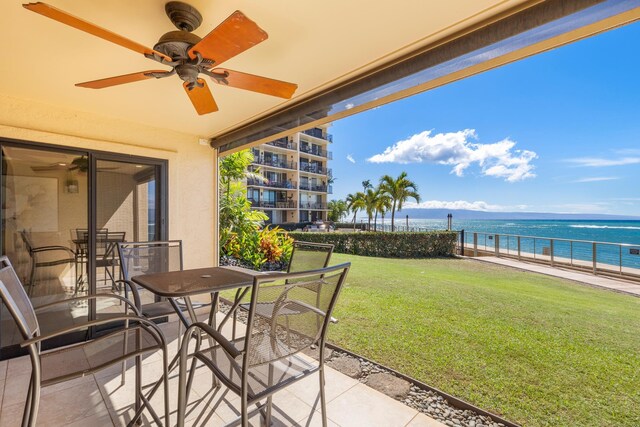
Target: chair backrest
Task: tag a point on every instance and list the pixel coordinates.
(26, 238)
(299, 318)
(309, 256)
(138, 258)
(81, 238)
(17, 301)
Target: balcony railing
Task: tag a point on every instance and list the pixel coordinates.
(274, 163)
(314, 168)
(311, 187)
(318, 133)
(595, 257)
(309, 149)
(275, 184)
(313, 206)
(283, 143)
(273, 205)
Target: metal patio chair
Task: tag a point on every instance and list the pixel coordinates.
(267, 358)
(137, 258)
(100, 352)
(304, 257)
(46, 256)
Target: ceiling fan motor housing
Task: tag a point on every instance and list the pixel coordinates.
(176, 44)
(185, 17)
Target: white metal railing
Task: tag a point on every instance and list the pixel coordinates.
(597, 257)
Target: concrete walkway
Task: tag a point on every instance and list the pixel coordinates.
(617, 285)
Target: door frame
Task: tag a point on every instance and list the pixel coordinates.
(93, 156)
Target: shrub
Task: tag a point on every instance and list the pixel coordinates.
(387, 245)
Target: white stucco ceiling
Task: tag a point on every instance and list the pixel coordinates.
(311, 43)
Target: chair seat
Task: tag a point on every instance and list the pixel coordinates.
(157, 309)
(289, 368)
(82, 359)
(265, 309)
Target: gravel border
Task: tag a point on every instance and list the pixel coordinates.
(429, 402)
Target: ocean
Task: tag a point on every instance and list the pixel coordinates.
(606, 231)
(601, 231)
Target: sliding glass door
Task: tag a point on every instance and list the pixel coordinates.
(127, 210)
(63, 213)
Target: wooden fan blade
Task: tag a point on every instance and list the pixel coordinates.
(256, 83)
(73, 21)
(234, 35)
(119, 80)
(201, 98)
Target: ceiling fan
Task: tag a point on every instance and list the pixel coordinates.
(81, 164)
(187, 54)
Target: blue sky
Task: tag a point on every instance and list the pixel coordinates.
(558, 132)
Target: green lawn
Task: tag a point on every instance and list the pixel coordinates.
(537, 350)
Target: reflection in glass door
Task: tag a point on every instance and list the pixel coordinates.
(44, 203)
(126, 210)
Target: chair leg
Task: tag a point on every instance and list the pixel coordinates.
(267, 418)
(138, 400)
(323, 399)
(244, 412)
(165, 362)
(32, 278)
(28, 411)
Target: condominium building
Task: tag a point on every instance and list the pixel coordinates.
(297, 179)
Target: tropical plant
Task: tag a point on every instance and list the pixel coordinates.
(355, 202)
(337, 210)
(399, 190)
(366, 184)
(241, 229)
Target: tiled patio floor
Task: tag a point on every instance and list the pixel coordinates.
(101, 399)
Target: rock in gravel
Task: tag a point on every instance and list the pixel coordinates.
(346, 365)
(390, 385)
(315, 353)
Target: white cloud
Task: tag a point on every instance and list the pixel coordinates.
(349, 106)
(596, 207)
(478, 205)
(350, 158)
(596, 179)
(498, 159)
(595, 162)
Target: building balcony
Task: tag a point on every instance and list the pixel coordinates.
(289, 185)
(289, 204)
(311, 187)
(318, 133)
(316, 151)
(283, 164)
(283, 143)
(314, 168)
(314, 206)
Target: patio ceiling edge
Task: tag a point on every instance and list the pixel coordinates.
(516, 34)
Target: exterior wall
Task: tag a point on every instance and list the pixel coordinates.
(193, 213)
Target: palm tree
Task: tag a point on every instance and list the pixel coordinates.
(366, 184)
(337, 210)
(383, 204)
(399, 191)
(370, 203)
(355, 202)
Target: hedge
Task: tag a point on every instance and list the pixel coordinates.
(387, 245)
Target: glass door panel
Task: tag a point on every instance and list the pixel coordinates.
(126, 211)
(44, 203)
